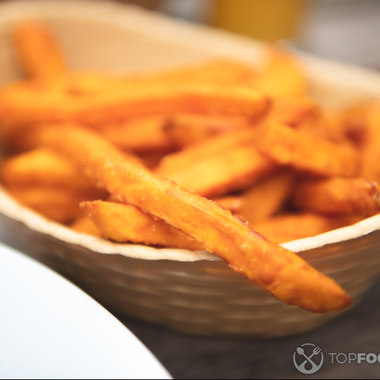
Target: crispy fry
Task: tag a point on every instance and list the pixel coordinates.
(307, 153)
(39, 54)
(140, 134)
(56, 204)
(293, 111)
(327, 126)
(85, 83)
(277, 270)
(282, 75)
(370, 152)
(23, 105)
(84, 225)
(338, 196)
(219, 165)
(187, 129)
(288, 227)
(126, 223)
(44, 168)
(216, 72)
(266, 197)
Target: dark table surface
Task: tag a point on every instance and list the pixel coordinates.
(188, 356)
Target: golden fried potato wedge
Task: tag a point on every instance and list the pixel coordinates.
(304, 152)
(282, 74)
(140, 134)
(56, 204)
(186, 129)
(288, 227)
(293, 111)
(23, 105)
(126, 223)
(38, 53)
(43, 167)
(266, 197)
(219, 165)
(369, 147)
(217, 72)
(84, 225)
(336, 195)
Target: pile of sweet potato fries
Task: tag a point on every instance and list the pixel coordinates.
(221, 156)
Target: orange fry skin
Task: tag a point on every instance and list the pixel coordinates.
(38, 53)
(186, 129)
(140, 134)
(56, 204)
(84, 225)
(338, 195)
(126, 223)
(277, 270)
(266, 197)
(370, 152)
(43, 167)
(307, 153)
(217, 72)
(292, 111)
(23, 105)
(119, 105)
(288, 227)
(282, 75)
(217, 166)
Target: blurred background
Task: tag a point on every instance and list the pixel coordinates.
(345, 30)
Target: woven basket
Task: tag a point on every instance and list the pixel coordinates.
(189, 291)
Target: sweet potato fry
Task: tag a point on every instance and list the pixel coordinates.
(23, 105)
(84, 225)
(39, 54)
(275, 269)
(219, 165)
(140, 134)
(215, 72)
(338, 195)
(369, 147)
(288, 227)
(211, 147)
(282, 75)
(326, 126)
(307, 153)
(186, 129)
(42, 167)
(126, 223)
(266, 197)
(293, 111)
(118, 105)
(56, 204)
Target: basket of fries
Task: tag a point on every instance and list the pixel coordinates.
(184, 175)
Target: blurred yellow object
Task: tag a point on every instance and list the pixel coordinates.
(269, 20)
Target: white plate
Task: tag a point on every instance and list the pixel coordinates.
(51, 329)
